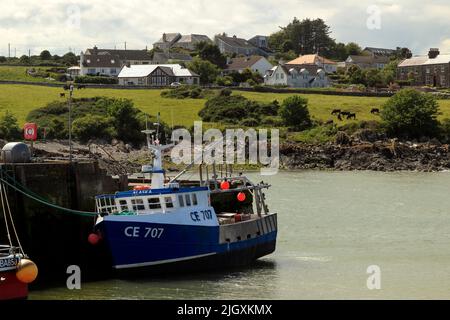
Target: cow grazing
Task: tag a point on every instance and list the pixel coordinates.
(335, 111)
(62, 95)
(351, 115)
(375, 111)
(81, 86)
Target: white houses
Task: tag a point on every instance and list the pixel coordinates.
(156, 75)
(255, 63)
(294, 77)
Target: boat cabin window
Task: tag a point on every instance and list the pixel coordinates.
(181, 201)
(123, 205)
(154, 203)
(138, 204)
(194, 199)
(169, 202)
(188, 200)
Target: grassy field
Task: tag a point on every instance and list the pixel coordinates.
(20, 99)
(18, 73)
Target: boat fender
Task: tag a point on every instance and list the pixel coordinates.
(27, 271)
(94, 239)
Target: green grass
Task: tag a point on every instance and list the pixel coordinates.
(18, 73)
(21, 99)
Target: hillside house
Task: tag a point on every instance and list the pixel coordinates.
(235, 45)
(177, 40)
(156, 75)
(428, 70)
(254, 63)
(310, 60)
(367, 61)
(294, 77)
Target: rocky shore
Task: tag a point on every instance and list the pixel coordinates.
(347, 153)
(385, 155)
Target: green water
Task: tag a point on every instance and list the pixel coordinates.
(332, 226)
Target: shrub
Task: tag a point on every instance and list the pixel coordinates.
(294, 112)
(89, 127)
(224, 81)
(249, 122)
(96, 79)
(411, 114)
(9, 129)
(183, 92)
(235, 108)
(444, 130)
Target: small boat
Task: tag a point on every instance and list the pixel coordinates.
(217, 222)
(10, 286)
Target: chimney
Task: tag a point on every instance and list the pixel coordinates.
(433, 53)
(95, 50)
(81, 59)
(164, 38)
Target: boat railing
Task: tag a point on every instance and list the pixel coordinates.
(106, 204)
(6, 250)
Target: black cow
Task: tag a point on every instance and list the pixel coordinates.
(375, 111)
(351, 115)
(62, 95)
(81, 86)
(335, 111)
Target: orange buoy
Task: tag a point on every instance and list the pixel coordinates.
(241, 196)
(93, 239)
(27, 271)
(225, 185)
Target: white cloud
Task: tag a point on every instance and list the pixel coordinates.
(44, 24)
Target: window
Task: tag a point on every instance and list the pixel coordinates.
(442, 69)
(443, 81)
(181, 200)
(282, 76)
(140, 81)
(91, 71)
(138, 204)
(276, 76)
(123, 205)
(113, 71)
(194, 199)
(169, 202)
(154, 203)
(428, 70)
(188, 200)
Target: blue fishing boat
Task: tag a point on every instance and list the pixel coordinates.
(220, 220)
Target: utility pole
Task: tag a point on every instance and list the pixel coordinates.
(125, 45)
(70, 122)
(29, 53)
(9, 50)
(15, 52)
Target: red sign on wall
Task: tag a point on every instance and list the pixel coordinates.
(30, 131)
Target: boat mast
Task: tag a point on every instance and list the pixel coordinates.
(156, 149)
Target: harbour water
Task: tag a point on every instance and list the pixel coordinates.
(332, 227)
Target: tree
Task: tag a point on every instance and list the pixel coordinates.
(210, 52)
(294, 112)
(306, 36)
(411, 114)
(402, 53)
(287, 46)
(125, 118)
(207, 71)
(45, 55)
(373, 78)
(9, 129)
(353, 49)
(355, 75)
(24, 59)
(2, 59)
(70, 59)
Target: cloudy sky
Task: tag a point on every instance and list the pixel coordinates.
(60, 25)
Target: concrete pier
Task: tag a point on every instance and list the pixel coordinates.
(52, 238)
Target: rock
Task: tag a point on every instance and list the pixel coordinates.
(342, 138)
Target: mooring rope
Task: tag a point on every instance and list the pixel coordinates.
(4, 214)
(3, 189)
(46, 203)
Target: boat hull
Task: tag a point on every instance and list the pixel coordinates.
(146, 246)
(10, 287)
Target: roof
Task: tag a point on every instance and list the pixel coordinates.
(101, 61)
(169, 37)
(122, 54)
(380, 51)
(243, 62)
(425, 60)
(310, 59)
(144, 70)
(236, 42)
(188, 38)
(368, 59)
(163, 56)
